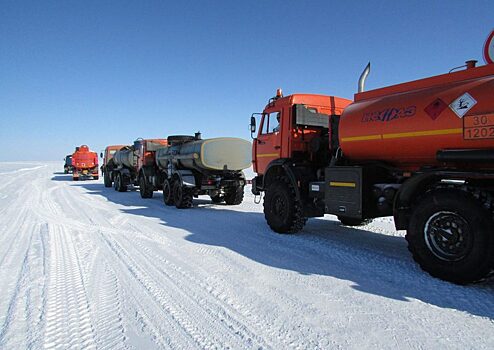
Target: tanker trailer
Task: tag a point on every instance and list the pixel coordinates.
(421, 151)
(84, 163)
(135, 165)
(191, 167)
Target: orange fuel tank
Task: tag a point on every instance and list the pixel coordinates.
(407, 124)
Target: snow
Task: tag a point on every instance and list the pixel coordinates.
(83, 266)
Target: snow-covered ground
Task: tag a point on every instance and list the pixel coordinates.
(82, 266)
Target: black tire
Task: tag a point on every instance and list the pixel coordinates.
(106, 179)
(182, 196)
(283, 212)
(95, 177)
(168, 196)
(217, 199)
(353, 222)
(145, 190)
(450, 236)
(235, 197)
(65, 171)
(118, 184)
(75, 179)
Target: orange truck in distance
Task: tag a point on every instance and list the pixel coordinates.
(84, 163)
(421, 151)
(108, 165)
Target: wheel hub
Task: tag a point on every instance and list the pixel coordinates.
(448, 236)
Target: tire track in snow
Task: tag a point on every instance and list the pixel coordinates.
(68, 321)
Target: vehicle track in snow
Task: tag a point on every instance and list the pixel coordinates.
(82, 266)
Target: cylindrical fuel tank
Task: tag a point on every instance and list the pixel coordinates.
(225, 153)
(407, 124)
(125, 157)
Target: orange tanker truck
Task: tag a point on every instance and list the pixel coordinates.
(84, 163)
(421, 151)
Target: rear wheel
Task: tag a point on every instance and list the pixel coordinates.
(119, 185)
(283, 212)
(168, 197)
(107, 179)
(182, 196)
(234, 196)
(145, 190)
(450, 236)
(95, 177)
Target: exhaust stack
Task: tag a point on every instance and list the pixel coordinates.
(363, 77)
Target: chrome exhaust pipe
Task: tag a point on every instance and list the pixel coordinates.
(363, 77)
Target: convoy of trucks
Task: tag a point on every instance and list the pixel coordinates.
(421, 151)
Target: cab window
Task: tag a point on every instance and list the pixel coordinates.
(271, 123)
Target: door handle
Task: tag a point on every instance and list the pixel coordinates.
(277, 147)
(260, 142)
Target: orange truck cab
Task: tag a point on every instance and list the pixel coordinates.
(84, 163)
(421, 151)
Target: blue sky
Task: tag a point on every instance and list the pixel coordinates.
(104, 72)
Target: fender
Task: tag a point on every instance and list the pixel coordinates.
(274, 168)
(406, 195)
(186, 177)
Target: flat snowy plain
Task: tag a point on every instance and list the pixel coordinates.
(82, 266)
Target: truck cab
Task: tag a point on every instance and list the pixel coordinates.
(294, 130)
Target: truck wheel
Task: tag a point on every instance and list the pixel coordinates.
(235, 197)
(95, 177)
(353, 222)
(146, 191)
(217, 199)
(65, 171)
(107, 179)
(450, 236)
(283, 212)
(182, 196)
(119, 186)
(168, 197)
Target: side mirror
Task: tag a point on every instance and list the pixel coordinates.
(253, 126)
(101, 155)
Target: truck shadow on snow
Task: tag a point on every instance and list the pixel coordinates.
(375, 263)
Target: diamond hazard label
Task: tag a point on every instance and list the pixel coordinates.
(435, 108)
(463, 104)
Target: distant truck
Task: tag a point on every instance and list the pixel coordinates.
(189, 167)
(108, 165)
(67, 168)
(131, 165)
(84, 163)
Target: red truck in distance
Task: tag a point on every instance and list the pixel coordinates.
(84, 164)
(108, 166)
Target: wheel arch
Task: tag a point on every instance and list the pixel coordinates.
(280, 167)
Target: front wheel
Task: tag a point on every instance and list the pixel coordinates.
(450, 236)
(118, 184)
(283, 212)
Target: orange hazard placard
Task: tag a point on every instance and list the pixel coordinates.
(478, 126)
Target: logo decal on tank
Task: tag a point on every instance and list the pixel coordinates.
(389, 114)
(462, 104)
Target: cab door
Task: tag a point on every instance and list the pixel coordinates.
(268, 142)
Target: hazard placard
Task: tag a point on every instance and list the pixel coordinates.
(462, 104)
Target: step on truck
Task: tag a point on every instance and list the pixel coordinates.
(84, 164)
(190, 166)
(108, 165)
(133, 165)
(421, 151)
